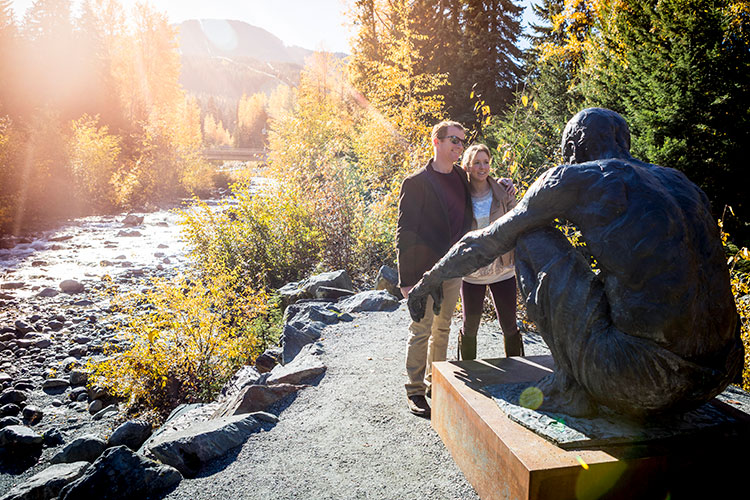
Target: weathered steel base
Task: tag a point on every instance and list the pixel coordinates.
(503, 460)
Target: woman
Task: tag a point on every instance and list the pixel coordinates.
(490, 200)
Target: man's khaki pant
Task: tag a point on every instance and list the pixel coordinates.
(428, 340)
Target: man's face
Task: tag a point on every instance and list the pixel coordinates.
(450, 147)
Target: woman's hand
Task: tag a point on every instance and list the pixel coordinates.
(507, 183)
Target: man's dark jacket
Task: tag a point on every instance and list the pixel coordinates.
(423, 234)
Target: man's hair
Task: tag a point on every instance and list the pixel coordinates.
(439, 130)
(471, 153)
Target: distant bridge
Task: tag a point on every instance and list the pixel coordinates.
(238, 154)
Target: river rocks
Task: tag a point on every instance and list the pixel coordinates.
(12, 396)
(84, 448)
(13, 285)
(387, 279)
(53, 437)
(119, 473)
(9, 410)
(48, 292)
(129, 234)
(22, 327)
(32, 414)
(9, 420)
(189, 449)
(71, 287)
(372, 300)
(108, 410)
(19, 439)
(47, 483)
(132, 434)
(54, 384)
(95, 406)
(256, 398)
(78, 377)
(132, 220)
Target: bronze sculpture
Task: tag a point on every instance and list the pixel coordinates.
(655, 329)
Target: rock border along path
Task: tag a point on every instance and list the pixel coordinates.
(351, 434)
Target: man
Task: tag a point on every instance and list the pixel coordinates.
(434, 212)
(655, 328)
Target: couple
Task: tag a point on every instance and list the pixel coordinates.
(437, 206)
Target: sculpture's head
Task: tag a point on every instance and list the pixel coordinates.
(595, 134)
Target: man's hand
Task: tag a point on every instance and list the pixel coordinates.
(418, 298)
(507, 183)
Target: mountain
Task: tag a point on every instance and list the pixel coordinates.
(225, 59)
(236, 40)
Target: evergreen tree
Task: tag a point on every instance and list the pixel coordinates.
(679, 71)
(8, 48)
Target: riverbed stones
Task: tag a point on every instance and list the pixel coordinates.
(9, 420)
(132, 220)
(119, 473)
(54, 384)
(84, 448)
(12, 396)
(48, 292)
(78, 377)
(9, 410)
(13, 285)
(20, 439)
(22, 327)
(129, 234)
(47, 483)
(32, 414)
(72, 287)
(132, 434)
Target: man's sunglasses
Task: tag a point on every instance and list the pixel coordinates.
(455, 140)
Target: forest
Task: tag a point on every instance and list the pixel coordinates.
(91, 104)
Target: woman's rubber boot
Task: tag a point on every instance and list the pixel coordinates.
(513, 345)
(468, 336)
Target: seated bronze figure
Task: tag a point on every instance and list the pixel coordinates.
(655, 328)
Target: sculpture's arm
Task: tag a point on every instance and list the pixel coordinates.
(551, 196)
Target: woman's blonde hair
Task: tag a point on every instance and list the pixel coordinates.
(471, 153)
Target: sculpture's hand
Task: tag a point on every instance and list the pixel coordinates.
(417, 301)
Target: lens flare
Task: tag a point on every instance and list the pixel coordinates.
(531, 398)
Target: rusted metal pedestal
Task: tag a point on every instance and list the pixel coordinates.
(503, 460)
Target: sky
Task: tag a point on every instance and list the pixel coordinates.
(312, 24)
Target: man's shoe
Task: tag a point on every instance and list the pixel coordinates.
(418, 405)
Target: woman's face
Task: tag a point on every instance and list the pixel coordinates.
(479, 168)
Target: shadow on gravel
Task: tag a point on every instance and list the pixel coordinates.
(16, 463)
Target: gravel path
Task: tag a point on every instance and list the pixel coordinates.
(351, 435)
